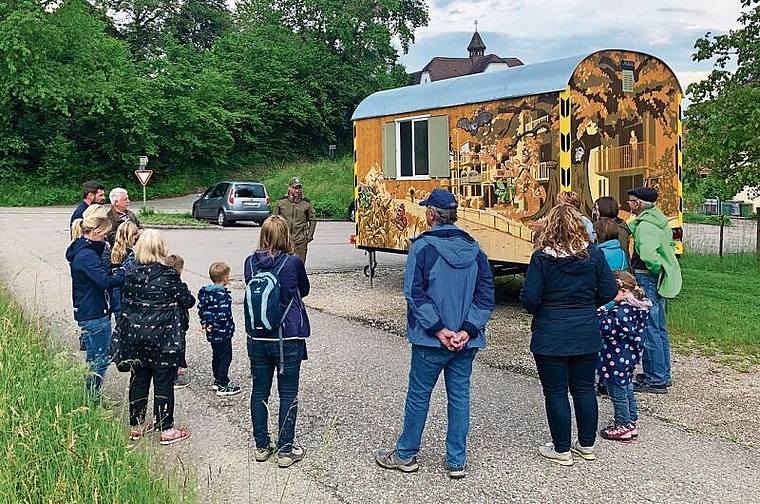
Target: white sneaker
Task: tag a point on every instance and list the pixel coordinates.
(585, 452)
(561, 458)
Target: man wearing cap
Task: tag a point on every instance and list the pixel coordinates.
(299, 213)
(450, 296)
(657, 271)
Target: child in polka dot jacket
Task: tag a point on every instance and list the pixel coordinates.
(622, 327)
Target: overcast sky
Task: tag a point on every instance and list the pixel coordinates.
(549, 29)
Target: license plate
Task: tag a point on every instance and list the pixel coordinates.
(250, 203)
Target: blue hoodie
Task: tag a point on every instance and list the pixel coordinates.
(90, 281)
(447, 284)
(615, 256)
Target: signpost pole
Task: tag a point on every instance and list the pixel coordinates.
(143, 164)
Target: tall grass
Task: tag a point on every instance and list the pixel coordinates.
(716, 312)
(57, 444)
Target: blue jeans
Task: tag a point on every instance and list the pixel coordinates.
(624, 402)
(265, 360)
(656, 357)
(427, 364)
(558, 374)
(97, 337)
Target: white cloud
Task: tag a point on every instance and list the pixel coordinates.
(537, 31)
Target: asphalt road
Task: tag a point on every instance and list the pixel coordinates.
(351, 403)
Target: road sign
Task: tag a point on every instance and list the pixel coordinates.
(143, 162)
(143, 176)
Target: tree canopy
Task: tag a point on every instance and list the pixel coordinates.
(723, 121)
(88, 87)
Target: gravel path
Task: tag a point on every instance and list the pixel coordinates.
(708, 397)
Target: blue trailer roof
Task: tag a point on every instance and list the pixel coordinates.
(524, 80)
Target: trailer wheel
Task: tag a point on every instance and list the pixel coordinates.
(369, 272)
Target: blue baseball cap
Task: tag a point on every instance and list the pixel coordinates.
(440, 198)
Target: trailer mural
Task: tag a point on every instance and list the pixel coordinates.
(507, 158)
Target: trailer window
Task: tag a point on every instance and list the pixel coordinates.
(413, 148)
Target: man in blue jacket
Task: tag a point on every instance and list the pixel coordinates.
(450, 296)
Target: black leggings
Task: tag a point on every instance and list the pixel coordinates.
(163, 395)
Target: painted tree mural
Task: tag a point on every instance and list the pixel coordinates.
(605, 107)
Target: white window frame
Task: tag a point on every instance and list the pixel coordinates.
(411, 119)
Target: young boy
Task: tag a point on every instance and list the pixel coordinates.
(178, 263)
(215, 312)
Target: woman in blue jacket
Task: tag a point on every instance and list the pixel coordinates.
(282, 349)
(90, 287)
(567, 279)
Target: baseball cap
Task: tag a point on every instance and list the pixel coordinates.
(295, 182)
(440, 198)
(644, 193)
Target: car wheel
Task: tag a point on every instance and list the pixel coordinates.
(221, 219)
(352, 211)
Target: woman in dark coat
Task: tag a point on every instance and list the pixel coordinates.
(90, 285)
(152, 338)
(567, 279)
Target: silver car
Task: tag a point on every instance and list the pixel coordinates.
(229, 201)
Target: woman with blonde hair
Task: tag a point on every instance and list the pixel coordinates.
(122, 256)
(567, 279)
(152, 341)
(280, 349)
(90, 286)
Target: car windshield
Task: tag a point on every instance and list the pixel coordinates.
(250, 191)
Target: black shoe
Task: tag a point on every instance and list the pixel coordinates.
(641, 378)
(650, 389)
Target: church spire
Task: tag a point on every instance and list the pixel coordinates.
(476, 47)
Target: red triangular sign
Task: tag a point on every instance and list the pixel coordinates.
(143, 176)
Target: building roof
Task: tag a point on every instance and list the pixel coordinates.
(523, 80)
(476, 44)
(441, 68)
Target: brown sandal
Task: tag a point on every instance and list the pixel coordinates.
(138, 431)
(173, 435)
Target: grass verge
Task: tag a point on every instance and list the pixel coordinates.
(715, 313)
(150, 217)
(58, 445)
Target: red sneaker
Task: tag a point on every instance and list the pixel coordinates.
(617, 433)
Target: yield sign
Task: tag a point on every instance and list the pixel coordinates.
(143, 176)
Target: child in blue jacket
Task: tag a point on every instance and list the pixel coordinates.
(622, 327)
(215, 311)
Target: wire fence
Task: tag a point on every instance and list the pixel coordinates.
(735, 235)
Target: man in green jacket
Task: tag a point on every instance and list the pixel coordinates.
(299, 213)
(657, 271)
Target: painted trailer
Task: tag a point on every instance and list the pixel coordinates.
(507, 142)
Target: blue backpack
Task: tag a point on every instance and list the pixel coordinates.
(262, 297)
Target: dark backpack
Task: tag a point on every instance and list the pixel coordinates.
(262, 297)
